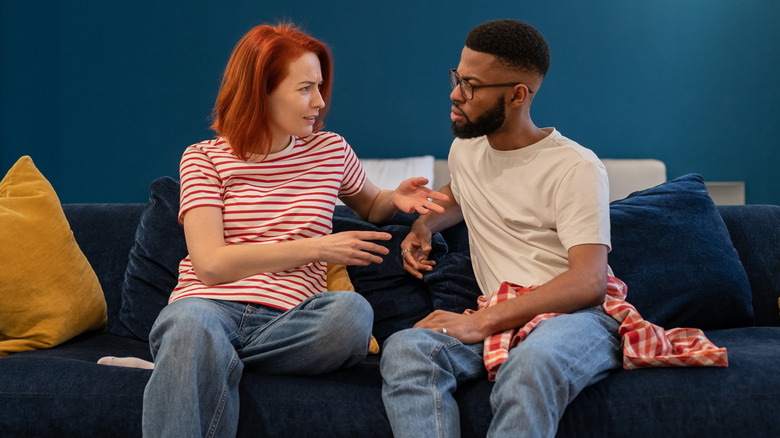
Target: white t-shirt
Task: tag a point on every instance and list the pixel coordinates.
(526, 208)
(289, 195)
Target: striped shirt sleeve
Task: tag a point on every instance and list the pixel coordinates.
(200, 181)
(354, 175)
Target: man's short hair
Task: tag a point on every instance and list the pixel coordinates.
(515, 44)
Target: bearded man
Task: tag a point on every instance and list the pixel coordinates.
(537, 211)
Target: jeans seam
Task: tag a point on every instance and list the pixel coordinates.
(594, 345)
(222, 401)
(268, 328)
(438, 403)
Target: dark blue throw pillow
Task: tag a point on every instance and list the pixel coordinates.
(399, 300)
(152, 268)
(673, 250)
(452, 284)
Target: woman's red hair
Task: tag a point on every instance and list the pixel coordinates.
(257, 66)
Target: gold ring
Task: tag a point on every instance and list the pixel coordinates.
(404, 251)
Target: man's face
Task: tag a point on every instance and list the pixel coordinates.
(485, 112)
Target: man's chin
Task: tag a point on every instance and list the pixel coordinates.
(464, 132)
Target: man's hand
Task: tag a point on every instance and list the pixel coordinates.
(415, 249)
(466, 328)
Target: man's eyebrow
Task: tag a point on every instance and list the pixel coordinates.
(467, 78)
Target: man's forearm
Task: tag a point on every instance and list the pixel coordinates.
(441, 221)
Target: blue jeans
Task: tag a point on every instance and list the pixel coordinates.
(200, 348)
(421, 370)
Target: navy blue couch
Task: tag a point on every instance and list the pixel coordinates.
(686, 263)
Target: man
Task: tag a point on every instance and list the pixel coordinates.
(537, 211)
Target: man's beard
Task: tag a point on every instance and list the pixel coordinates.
(485, 124)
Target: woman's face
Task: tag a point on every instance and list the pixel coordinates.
(295, 104)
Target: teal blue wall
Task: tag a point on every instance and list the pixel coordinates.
(105, 95)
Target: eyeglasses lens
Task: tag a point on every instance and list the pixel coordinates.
(465, 87)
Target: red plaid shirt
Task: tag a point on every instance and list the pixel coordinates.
(644, 344)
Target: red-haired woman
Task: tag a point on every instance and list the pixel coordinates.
(257, 205)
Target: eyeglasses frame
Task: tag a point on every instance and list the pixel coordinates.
(456, 80)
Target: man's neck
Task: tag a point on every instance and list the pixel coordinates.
(523, 135)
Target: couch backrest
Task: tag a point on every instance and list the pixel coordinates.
(755, 233)
(105, 233)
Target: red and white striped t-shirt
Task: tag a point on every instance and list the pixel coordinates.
(290, 195)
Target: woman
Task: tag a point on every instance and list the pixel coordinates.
(256, 206)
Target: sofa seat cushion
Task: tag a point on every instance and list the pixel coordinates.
(48, 290)
(673, 250)
(344, 403)
(62, 391)
(690, 402)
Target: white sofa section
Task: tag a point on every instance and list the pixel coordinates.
(625, 175)
(628, 176)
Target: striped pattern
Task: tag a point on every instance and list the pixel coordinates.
(644, 344)
(289, 195)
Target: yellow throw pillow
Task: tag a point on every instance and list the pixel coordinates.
(48, 290)
(338, 279)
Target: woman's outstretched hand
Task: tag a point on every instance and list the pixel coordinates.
(412, 196)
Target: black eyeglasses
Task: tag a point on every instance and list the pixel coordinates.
(467, 88)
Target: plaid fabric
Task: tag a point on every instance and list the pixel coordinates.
(644, 344)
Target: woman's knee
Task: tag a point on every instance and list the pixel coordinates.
(348, 314)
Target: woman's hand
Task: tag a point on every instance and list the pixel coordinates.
(412, 196)
(354, 248)
(216, 262)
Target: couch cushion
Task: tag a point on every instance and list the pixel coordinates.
(398, 299)
(48, 290)
(672, 249)
(452, 284)
(688, 402)
(755, 232)
(152, 269)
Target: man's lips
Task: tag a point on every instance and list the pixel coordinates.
(456, 114)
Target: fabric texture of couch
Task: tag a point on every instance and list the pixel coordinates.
(686, 262)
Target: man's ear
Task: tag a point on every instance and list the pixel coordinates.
(521, 94)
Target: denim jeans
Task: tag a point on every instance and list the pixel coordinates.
(200, 348)
(421, 369)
